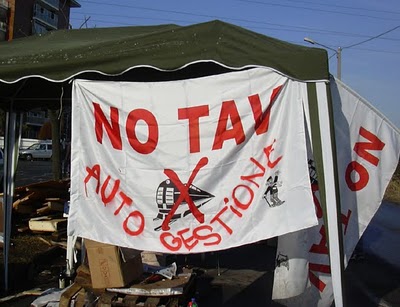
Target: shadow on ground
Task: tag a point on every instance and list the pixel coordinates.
(234, 277)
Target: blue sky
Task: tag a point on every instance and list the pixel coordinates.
(370, 62)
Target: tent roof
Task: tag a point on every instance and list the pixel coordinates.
(39, 61)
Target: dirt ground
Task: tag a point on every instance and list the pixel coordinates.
(33, 263)
(225, 278)
(244, 276)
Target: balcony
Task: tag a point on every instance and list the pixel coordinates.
(3, 26)
(74, 3)
(3, 10)
(38, 28)
(35, 118)
(48, 18)
(54, 4)
(4, 4)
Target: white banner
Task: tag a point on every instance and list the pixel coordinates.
(368, 149)
(189, 166)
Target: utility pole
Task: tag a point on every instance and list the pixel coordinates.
(338, 53)
(339, 63)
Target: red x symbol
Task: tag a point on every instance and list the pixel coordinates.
(184, 193)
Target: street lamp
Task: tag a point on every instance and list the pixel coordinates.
(338, 55)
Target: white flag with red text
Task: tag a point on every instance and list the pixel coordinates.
(368, 149)
(190, 165)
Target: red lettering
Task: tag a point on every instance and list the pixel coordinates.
(345, 220)
(268, 151)
(150, 145)
(126, 200)
(318, 283)
(112, 129)
(237, 212)
(234, 210)
(193, 114)
(135, 218)
(217, 218)
(201, 237)
(228, 110)
(237, 202)
(93, 172)
(260, 174)
(375, 144)
(175, 243)
(320, 248)
(138, 221)
(184, 194)
(186, 241)
(262, 119)
(106, 199)
(323, 268)
(362, 173)
(201, 234)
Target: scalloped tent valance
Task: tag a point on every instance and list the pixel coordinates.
(38, 68)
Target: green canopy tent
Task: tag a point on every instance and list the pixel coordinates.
(50, 61)
(36, 72)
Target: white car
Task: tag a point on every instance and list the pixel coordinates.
(41, 150)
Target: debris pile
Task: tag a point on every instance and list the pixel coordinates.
(42, 208)
(109, 275)
(38, 234)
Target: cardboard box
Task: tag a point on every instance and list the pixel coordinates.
(112, 266)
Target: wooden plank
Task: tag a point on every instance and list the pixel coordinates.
(46, 224)
(55, 206)
(66, 297)
(35, 291)
(49, 207)
(80, 299)
(31, 197)
(43, 211)
(106, 299)
(173, 302)
(152, 302)
(130, 300)
(56, 199)
(83, 276)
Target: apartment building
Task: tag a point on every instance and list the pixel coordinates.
(4, 16)
(20, 18)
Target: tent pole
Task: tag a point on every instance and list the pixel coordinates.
(334, 229)
(11, 149)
